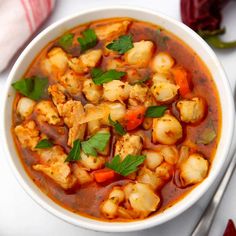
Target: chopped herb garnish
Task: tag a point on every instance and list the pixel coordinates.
(118, 127)
(98, 142)
(66, 40)
(88, 41)
(99, 77)
(121, 45)
(74, 154)
(155, 111)
(127, 166)
(208, 134)
(142, 81)
(33, 87)
(44, 143)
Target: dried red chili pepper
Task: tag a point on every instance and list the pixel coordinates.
(230, 229)
(204, 16)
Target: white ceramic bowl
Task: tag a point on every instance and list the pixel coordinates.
(177, 28)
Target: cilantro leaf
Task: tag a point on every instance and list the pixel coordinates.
(127, 166)
(74, 154)
(155, 111)
(33, 87)
(99, 77)
(88, 41)
(97, 142)
(44, 143)
(66, 40)
(121, 45)
(118, 127)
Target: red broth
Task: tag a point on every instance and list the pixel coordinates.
(86, 199)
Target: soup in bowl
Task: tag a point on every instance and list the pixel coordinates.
(119, 120)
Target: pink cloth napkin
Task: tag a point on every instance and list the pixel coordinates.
(19, 19)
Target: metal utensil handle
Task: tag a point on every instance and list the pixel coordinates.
(203, 226)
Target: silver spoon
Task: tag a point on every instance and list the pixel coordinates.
(204, 224)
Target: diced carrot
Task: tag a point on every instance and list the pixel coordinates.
(181, 78)
(104, 175)
(134, 117)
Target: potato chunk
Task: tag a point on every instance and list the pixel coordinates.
(27, 134)
(162, 62)
(194, 169)
(77, 65)
(117, 112)
(92, 91)
(128, 144)
(164, 171)
(112, 30)
(192, 110)
(116, 90)
(71, 112)
(55, 167)
(140, 54)
(91, 162)
(91, 58)
(117, 193)
(25, 107)
(137, 95)
(146, 176)
(153, 159)
(47, 112)
(163, 89)
(142, 199)
(82, 174)
(166, 130)
(109, 208)
(55, 63)
(71, 82)
(170, 154)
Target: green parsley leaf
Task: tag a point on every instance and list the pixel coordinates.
(33, 87)
(141, 81)
(66, 40)
(97, 142)
(118, 127)
(74, 154)
(127, 166)
(44, 143)
(88, 41)
(121, 45)
(96, 72)
(99, 77)
(155, 111)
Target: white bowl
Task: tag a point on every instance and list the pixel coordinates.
(177, 28)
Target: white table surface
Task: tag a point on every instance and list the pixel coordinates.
(21, 216)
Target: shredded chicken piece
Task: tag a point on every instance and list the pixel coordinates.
(27, 134)
(47, 112)
(128, 144)
(53, 165)
(71, 112)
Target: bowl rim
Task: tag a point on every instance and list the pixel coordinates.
(116, 226)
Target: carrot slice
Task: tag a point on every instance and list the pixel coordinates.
(104, 175)
(182, 80)
(134, 117)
